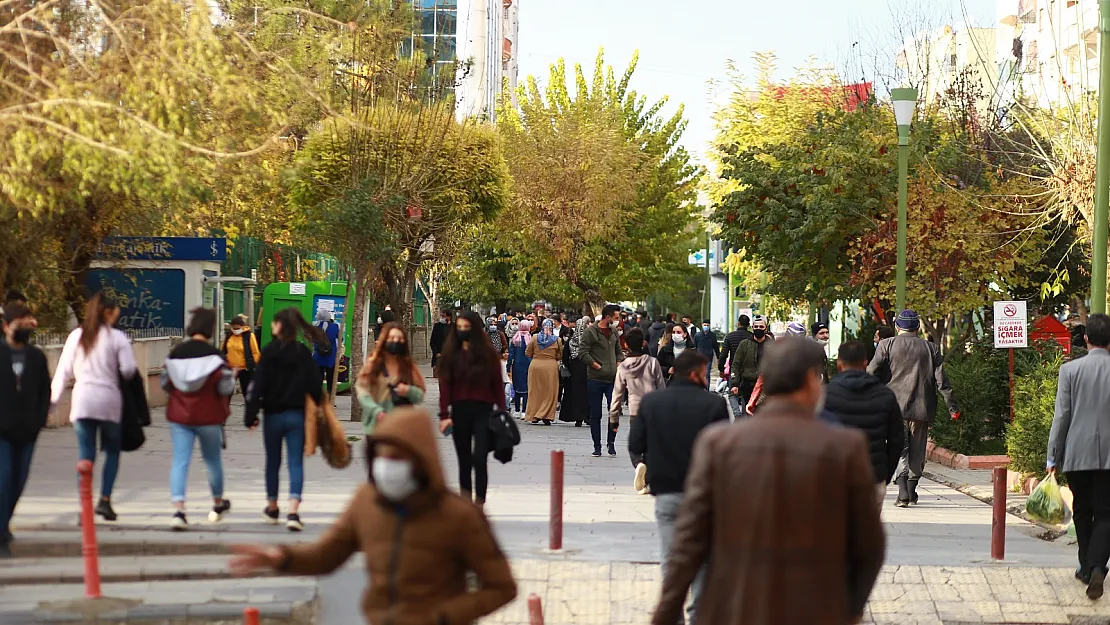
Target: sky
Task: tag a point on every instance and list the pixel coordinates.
(684, 44)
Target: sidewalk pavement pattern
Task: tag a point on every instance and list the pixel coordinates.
(938, 567)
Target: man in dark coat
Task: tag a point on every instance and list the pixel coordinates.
(860, 400)
(439, 339)
(707, 345)
(733, 340)
(781, 505)
(655, 332)
(916, 371)
(663, 434)
(25, 396)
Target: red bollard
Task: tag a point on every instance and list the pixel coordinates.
(555, 536)
(89, 548)
(535, 608)
(251, 617)
(998, 522)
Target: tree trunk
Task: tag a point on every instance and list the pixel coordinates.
(360, 285)
(594, 302)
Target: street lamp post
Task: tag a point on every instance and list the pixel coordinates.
(1102, 174)
(905, 100)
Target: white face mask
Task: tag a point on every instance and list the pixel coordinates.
(237, 331)
(823, 342)
(394, 479)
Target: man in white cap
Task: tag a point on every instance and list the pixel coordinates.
(916, 374)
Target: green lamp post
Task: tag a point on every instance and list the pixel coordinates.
(905, 101)
(1102, 173)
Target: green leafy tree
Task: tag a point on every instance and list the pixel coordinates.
(382, 189)
(801, 202)
(604, 197)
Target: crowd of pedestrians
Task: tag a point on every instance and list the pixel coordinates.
(739, 543)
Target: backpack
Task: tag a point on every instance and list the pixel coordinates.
(323, 348)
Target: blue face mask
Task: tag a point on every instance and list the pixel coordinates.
(876, 345)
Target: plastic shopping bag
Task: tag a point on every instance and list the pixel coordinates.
(1045, 503)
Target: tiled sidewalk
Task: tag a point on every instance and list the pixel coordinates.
(621, 593)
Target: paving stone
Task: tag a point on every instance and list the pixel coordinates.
(1026, 613)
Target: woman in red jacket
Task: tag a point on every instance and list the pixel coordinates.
(199, 383)
(470, 389)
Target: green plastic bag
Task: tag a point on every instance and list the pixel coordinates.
(1045, 503)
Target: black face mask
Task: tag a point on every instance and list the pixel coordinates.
(397, 348)
(22, 336)
(464, 335)
(759, 333)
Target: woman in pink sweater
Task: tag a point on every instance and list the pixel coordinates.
(94, 358)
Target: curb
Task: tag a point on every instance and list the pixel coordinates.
(284, 612)
(76, 577)
(1052, 532)
(956, 460)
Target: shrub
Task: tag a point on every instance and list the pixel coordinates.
(979, 376)
(1034, 405)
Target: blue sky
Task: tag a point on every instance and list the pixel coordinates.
(683, 44)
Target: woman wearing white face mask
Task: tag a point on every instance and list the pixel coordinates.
(669, 353)
(405, 520)
(241, 348)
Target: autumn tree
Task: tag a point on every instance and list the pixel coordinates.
(114, 115)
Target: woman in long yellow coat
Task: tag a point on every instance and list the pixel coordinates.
(545, 350)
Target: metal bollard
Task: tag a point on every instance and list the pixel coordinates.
(998, 521)
(251, 616)
(535, 609)
(89, 548)
(555, 536)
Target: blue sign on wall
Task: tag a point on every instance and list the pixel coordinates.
(148, 298)
(163, 248)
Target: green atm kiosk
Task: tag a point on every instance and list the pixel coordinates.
(308, 298)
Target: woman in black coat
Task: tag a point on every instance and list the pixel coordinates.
(576, 406)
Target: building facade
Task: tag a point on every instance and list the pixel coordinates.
(934, 61)
(1047, 50)
(477, 40)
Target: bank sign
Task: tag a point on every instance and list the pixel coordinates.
(1010, 325)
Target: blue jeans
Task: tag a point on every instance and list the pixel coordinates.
(600, 396)
(15, 466)
(183, 437)
(287, 426)
(111, 439)
(667, 507)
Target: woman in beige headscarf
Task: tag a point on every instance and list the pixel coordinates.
(545, 350)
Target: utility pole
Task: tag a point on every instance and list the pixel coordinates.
(1102, 177)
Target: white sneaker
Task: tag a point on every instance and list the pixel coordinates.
(645, 491)
(640, 483)
(178, 522)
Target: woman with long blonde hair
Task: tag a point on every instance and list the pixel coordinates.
(389, 378)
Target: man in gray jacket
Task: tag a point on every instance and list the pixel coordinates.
(1079, 445)
(915, 369)
(600, 349)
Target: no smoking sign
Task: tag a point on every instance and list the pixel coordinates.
(1010, 325)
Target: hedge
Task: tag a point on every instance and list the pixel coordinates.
(1034, 405)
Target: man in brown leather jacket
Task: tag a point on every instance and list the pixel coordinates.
(783, 508)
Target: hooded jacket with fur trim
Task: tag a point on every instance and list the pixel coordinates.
(418, 551)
